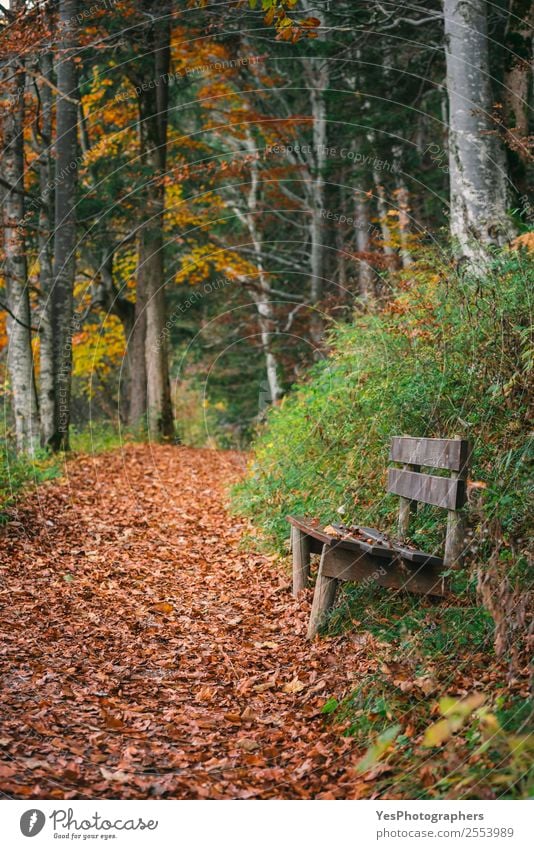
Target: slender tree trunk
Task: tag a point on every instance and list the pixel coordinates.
(20, 359)
(64, 265)
(265, 323)
(318, 81)
(390, 255)
(136, 342)
(517, 91)
(518, 74)
(477, 164)
(155, 399)
(159, 406)
(46, 347)
(403, 206)
(363, 246)
(109, 298)
(262, 298)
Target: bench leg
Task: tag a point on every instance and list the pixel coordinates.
(323, 598)
(300, 546)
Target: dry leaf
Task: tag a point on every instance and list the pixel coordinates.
(294, 686)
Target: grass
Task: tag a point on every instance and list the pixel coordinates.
(99, 437)
(417, 653)
(20, 473)
(17, 474)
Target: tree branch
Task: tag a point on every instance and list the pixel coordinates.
(14, 317)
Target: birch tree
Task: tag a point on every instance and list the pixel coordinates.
(477, 165)
(45, 246)
(20, 359)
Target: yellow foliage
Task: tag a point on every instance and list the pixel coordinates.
(525, 240)
(204, 260)
(98, 349)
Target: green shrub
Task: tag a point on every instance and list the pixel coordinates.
(447, 356)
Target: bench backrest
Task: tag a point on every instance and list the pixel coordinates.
(414, 486)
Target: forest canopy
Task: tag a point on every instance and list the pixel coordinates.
(194, 194)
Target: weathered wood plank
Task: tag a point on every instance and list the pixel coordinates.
(430, 489)
(316, 546)
(455, 537)
(395, 574)
(319, 533)
(418, 557)
(450, 454)
(407, 507)
(301, 550)
(323, 597)
(313, 530)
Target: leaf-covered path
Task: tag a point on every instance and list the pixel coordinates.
(148, 652)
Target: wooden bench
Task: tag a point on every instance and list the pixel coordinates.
(365, 555)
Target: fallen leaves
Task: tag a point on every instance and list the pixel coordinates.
(162, 661)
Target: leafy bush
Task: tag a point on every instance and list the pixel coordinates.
(448, 355)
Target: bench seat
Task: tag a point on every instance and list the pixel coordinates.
(375, 543)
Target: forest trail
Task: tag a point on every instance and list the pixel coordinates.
(149, 653)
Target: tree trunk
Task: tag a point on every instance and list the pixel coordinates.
(108, 298)
(262, 298)
(477, 164)
(62, 319)
(155, 398)
(19, 355)
(318, 81)
(159, 406)
(518, 74)
(390, 254)
(402, 196)
(363, 246)
(46, 347)
(136, 352)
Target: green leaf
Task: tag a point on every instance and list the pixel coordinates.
(437, 734)
(378, 750)
(330, 706)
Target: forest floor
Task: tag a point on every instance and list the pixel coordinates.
(149, 653)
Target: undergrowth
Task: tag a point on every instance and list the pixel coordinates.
(445, 356)
(19, 473)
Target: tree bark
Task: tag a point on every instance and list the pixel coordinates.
(108, 298)
(19, 355)
(46, 347)
(477, 164)
(363, 246)
(318, 81)
(390, 254)
(64, 264)
(403, 206)
(136, 342)
(518, 73)
(262, 298)
(155, 398)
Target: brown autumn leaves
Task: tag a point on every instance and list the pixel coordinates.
(148, 652)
